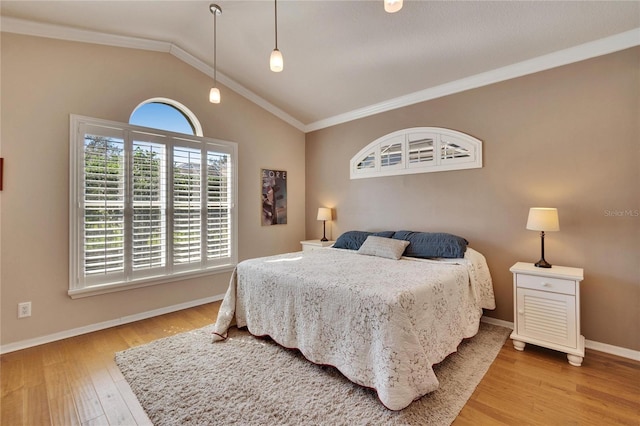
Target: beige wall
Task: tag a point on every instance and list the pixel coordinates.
(566, 138)
(42, 82)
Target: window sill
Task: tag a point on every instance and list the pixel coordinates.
(97, 290)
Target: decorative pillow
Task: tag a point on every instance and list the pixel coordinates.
(383, 247)
(432, 244)
(352, 240)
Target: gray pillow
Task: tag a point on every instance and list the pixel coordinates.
(383, 247)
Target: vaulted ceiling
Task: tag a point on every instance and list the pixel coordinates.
(345, 59)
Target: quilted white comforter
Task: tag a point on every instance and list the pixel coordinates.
(383, 323)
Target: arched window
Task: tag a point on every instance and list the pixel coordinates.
(417, 150)
(149, 206)
(166, 114)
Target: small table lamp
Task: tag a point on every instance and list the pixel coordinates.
(543, 219)
(324, 214)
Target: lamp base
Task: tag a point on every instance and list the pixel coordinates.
(542, 264)
(323, 239)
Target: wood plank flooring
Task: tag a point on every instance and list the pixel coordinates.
(76, 382)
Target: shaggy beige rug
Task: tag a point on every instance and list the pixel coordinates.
(187, 380)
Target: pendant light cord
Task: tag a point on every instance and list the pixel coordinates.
(215, 68)
(276, 20)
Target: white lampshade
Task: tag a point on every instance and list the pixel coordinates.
(543, 219)
(324, 213)
(392, 6)
(214, 95)
(276, 62)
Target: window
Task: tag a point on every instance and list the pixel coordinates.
(148, 207)
(417, 150)
(391, 153)
(420, 150)
(165, 114)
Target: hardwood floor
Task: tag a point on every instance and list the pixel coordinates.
(539, 387)
(76, 382)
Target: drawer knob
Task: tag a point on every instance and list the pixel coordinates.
(546, 284)
(521, 311)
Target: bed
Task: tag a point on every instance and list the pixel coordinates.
(382, 322)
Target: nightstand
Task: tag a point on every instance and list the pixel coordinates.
(315, 244)
(547, 309)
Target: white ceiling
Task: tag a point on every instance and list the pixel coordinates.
(346, 58)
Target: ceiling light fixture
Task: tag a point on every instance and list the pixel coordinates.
(276, 62)
(214, 93)
(392, 6)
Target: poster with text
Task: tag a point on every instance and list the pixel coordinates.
(274, 197)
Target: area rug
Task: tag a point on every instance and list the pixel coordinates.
(187, 380)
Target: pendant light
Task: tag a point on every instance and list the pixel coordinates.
(276, 62)
(214, 93)
(392, 6)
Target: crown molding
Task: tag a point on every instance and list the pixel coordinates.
(578, 53)
(235, 86)
(39, 29)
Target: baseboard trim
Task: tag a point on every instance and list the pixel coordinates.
(496, 321)
(24, 344)
(589, 344)
(613, 350)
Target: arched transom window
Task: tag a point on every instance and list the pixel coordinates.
(417, 150)
(166, 114)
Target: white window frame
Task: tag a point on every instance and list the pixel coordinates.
(439, 135)
(79, 284)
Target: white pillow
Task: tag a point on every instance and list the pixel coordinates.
(383, 247)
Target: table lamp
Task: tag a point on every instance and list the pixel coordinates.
(324, 214)
(543, 219)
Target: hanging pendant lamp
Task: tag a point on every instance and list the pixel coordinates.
(392, 6)
(214, 93)
(276, 63)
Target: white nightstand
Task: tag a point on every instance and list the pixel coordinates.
(315, 244)
(547, 309)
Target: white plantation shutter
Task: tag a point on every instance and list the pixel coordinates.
(149, 203)
(103, 199)
(417, 150)
(421, 149)
(148, 207)
(219, 182)
(187, 205)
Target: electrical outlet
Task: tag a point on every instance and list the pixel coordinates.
(24, 309)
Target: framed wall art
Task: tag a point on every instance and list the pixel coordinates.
(274, 197)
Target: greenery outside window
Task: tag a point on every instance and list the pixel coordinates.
(148, 206)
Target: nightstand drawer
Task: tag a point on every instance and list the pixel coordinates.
(309, 245)
(555, 285)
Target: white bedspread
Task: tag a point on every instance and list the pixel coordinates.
(383, 323)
